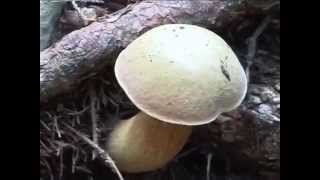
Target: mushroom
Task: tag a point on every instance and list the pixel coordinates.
(179, 76)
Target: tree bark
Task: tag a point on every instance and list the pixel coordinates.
(84, 50)
(250, 135)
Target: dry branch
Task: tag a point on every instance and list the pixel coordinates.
(101, 152)
(85, 50)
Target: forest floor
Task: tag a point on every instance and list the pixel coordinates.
(63, 155)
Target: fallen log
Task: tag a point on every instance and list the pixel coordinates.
(84, 50)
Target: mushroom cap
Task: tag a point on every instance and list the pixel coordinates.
(181, 74)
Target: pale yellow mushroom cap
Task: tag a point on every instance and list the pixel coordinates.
(181, 74)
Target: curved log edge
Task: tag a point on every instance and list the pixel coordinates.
(81, 51)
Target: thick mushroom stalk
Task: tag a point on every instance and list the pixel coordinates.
(143, 143)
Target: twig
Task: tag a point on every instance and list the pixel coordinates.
(102, 95)
(209, 158)
(45, 147)
(61, 165)
(74, 160)
(82, 16)
(45, 126)
(76, 7)
(94, 117)
(252, 44)
(102, 153)
(55, 119)
(272, 5)
(77, 113)
(49, 169)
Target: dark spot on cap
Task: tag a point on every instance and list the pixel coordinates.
(169, 103)
(171, 61)
(174, 30)
(176, 35)
(181, 27)
(224, 71)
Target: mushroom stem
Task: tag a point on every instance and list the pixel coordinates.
(143, 143)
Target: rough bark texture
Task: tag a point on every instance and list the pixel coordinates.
(83, 50)
(251, 134)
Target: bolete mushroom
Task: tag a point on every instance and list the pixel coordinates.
(179, 76)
